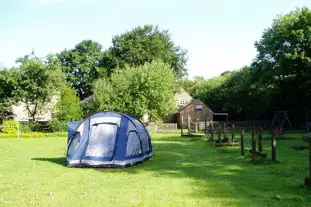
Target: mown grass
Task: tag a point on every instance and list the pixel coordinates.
(183, 172)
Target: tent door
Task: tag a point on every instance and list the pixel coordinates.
(102, 141)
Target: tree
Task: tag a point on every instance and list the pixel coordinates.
(68, 108)
(38, 82)
(144, 45)
(186, 84)
(82, 66)
(138, 90)
(242, 96)
(8, 91)
(284, 61)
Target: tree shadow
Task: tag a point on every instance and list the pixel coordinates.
(212, 171)
(56, 160)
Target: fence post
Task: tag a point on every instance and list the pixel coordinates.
(233, 133)
(224, 132)
(205, 124)
(18, 132)
(188, 124)
(196, 127)
(253, 145)
(308, 177)
(181, 124)
(242, 143)
(212, 131)
(260, 139)
(219, 134)
(273, 145)
(309, 164)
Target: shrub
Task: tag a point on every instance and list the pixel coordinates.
(25, 127)
(35, 127)
(10, 127)
(69, 107)
(147, 89)
(58, 126)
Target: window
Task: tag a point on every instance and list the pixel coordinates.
(182, 102)
(102, 140)
(133, 144)
(74, 143)
(144, 141)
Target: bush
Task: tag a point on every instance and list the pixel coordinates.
(147, 89)
(10, 127)
(34, 127)
(58, 126)
(68, 107)
(25, 127)
(30, 127)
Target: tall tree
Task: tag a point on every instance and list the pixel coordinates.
(38, 82)
(284, 60)
(82, 66)
(143, 45)
(8, 91)
(138, 90)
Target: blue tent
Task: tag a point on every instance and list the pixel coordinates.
(107, 139)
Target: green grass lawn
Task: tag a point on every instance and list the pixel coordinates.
(183, 172)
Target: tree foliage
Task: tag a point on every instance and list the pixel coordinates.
(136, 74)
(8, 91)
(143, 45)
(278, 79)
(283, 63)
(68, 108)
(82, 66)
(138, 90)
(38, 82)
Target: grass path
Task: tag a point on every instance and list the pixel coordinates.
(183, 172)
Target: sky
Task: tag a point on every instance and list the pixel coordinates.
(218, 34)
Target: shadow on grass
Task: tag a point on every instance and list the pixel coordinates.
(215, 172)
(56, 160)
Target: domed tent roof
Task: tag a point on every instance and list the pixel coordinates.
(107, 139)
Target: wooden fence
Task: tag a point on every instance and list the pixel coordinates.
(237, 124)
(163, 127)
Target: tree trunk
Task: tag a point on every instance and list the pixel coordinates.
(34, 112)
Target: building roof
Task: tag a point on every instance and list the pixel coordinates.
(193, 101)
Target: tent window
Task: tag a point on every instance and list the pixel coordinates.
(102, 140)
(144, 141)
(74, 143)
(133, 144)
(143, 135)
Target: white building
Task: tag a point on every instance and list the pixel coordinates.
(182, 98)
(20, 112)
